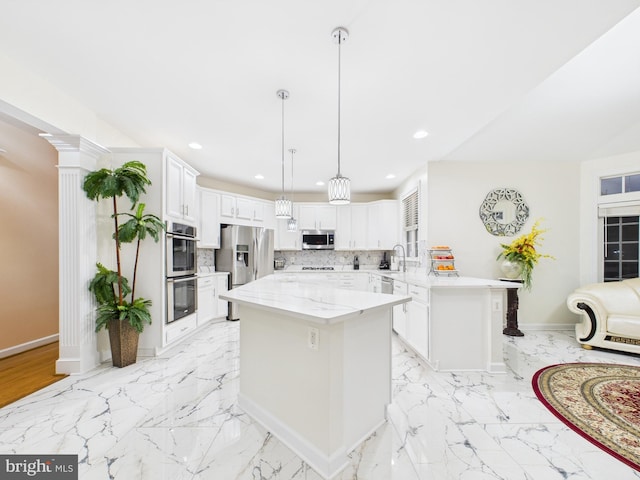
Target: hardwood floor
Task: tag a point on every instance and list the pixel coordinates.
(28, 372)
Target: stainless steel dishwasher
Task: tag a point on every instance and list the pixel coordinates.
(386, 285)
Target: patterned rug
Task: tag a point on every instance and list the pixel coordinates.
(599, 401)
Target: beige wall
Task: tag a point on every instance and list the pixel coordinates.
(452, 193)
(29, 236)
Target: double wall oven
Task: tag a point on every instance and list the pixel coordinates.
(182, 290)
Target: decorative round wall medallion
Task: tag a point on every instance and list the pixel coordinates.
(504, 212)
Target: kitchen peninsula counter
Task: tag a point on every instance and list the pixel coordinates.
(315, 364)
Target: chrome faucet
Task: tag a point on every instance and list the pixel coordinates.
(404, 256)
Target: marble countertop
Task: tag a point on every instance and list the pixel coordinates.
(414, 278)
(432, 281)
(209, 271)
(309, 299)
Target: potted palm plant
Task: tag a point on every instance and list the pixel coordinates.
(119, 311)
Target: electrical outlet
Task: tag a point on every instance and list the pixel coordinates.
(313, 337)
(497, 305)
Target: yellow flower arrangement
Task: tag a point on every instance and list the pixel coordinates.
(523, 250)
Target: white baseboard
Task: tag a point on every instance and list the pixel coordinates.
(326, 465)
(7, 352)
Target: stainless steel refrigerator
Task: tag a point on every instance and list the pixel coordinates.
(247, 254)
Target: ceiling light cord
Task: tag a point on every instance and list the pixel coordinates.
(339, 187)
(282, 96)
(283, 206)
(292, 150)
(339, 102)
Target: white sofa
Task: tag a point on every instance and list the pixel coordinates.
(610, 315)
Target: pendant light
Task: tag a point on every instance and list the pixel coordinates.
(292, 223)
(339, 186)
(283, 206)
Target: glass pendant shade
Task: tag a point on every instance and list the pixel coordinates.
(292, 225)
(339, 190)
(283, 208)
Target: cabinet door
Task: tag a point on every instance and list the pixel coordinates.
(285, 240)
(244, 208)
(222, 305)
(209, 233)
(174, 188)
(359, 214)
(417, 328)
(227, 206)
(189, 194)
(343, 227)
(307, 217)
(317, 217)
(258, 211)
(383, 228)
(206, 305)
(326, 217)
(400, 320)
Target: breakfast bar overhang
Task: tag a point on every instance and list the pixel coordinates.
(315, 365)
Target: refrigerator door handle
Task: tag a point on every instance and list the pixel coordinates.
(255, 258)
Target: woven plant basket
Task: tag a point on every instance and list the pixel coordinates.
(124, 343)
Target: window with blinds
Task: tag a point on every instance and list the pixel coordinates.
(410, 215)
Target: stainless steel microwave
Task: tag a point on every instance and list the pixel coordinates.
(317, 239)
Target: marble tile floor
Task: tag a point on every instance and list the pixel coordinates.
(176, 417)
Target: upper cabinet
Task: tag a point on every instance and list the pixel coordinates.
(383, 230)
(181, 195)
(351, 230)
(241, 210)
(284, 239)
(317, 217)
(209, 215)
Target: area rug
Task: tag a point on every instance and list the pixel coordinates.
(599, 401)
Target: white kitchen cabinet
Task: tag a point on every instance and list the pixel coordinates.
(400, 311)
(351, 227)
(227, 206)
(222, 282)
(417, 321)
(210, 306)
(383, 227)
(209, 216)
(181, 195)
(375, 283)
(176, 330)
(285, 240)
(317, 217)
(207, 301)
(242, 210)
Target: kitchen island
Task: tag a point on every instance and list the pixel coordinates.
(315, 364)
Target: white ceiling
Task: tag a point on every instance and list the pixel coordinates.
(534, 80)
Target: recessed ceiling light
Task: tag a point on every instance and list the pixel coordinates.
(320, 183)
(195, 146)
(420, 134)
(259, 176)
(390, 176)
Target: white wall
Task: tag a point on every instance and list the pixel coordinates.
(453, 194)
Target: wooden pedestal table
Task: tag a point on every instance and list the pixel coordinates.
(315, 365)
(512, 310)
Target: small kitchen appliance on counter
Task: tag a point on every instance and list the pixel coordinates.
(384, 263)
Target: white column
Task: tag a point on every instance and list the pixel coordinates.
(77, 253)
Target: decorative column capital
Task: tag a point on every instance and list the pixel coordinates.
(66, 143)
